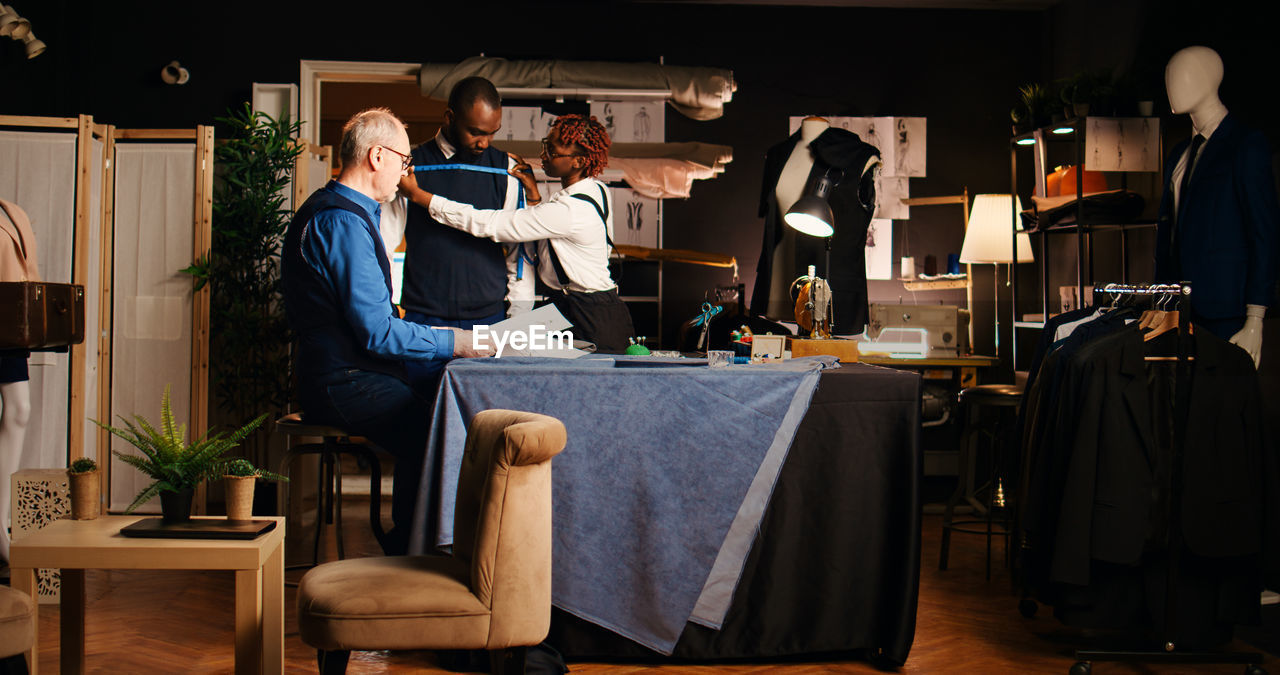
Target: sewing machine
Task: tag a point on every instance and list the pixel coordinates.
(946, 327)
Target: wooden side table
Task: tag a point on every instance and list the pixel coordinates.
(77, 545)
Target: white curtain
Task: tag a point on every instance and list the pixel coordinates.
(38, 173)
(151, 329)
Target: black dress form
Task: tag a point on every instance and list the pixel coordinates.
(852, 202)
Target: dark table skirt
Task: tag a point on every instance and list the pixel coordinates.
(836, 565)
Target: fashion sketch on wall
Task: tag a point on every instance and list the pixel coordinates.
(1122, 144)
(521, 123)
(908, 147)
(890, 191)
(900, 140)
(879, 249)
(635, 218)
(631, 122)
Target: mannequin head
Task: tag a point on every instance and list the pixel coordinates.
(1192, 78)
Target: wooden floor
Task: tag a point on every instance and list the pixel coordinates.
(181, 622)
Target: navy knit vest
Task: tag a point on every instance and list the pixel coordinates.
(448, 273)
(326, 342)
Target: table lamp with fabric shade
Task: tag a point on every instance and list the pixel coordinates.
(990, 240)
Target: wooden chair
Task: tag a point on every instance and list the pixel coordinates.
(493, 593)
(1002, 477)
(335, 442)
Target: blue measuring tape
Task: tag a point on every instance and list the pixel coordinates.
(520, 203)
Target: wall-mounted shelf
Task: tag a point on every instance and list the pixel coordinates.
(962, 200)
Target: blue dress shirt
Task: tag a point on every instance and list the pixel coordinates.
(341, 250)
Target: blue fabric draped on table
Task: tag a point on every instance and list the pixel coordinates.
(660, 490)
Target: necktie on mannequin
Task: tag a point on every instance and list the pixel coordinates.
(1196, 142)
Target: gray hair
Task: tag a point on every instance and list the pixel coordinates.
(366, 129)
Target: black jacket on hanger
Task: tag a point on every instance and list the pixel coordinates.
(852, 202)
(1095, 504)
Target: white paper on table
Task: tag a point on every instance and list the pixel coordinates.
(536, 325)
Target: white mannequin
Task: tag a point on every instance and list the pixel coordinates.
(17, 263)
(15, 412)
(790, 188)
(1191, 79)
(795, 173)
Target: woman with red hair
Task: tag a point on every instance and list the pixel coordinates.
(573, 230)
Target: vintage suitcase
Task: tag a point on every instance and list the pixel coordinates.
(38, 315)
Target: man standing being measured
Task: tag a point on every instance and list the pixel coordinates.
(352, 347)
(450, 277)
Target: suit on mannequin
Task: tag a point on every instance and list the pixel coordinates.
(17, 263)
(790, 167)
(1219, 227)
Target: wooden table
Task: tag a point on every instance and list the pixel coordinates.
(76, 545)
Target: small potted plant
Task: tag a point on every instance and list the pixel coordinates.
(1037, 104)
(1076, 93)
(241, 476)
(82, 478)
(175, 466)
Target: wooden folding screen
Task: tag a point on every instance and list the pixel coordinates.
(54, 168)
(311, 170)
(64, 172)
(162, 213)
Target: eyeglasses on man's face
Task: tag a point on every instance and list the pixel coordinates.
(406, 161)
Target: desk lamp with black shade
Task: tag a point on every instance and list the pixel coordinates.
(811, 215)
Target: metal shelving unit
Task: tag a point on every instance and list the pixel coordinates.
(1081, 230)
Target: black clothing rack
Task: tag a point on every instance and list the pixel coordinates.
(1111, 295)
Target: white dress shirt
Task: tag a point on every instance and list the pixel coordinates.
(395, 214)
(566, 223)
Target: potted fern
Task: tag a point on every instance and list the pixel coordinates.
(175, 466)
(82, 481)
(241, 476)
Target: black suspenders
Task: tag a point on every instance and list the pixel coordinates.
(603, 209)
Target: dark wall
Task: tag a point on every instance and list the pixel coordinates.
(960, 69)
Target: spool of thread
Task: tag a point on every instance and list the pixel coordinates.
(953, 263)
(908, 268)
(931, 265)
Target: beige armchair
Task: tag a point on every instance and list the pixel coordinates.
(494, 593)
(17, 628)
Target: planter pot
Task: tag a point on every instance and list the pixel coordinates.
(239, 491)
(265, 494)
(175, 507)
(1080, 109)
(1146, 108)
(85, 495)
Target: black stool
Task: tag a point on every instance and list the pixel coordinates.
(998, 490)
(329, 488)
